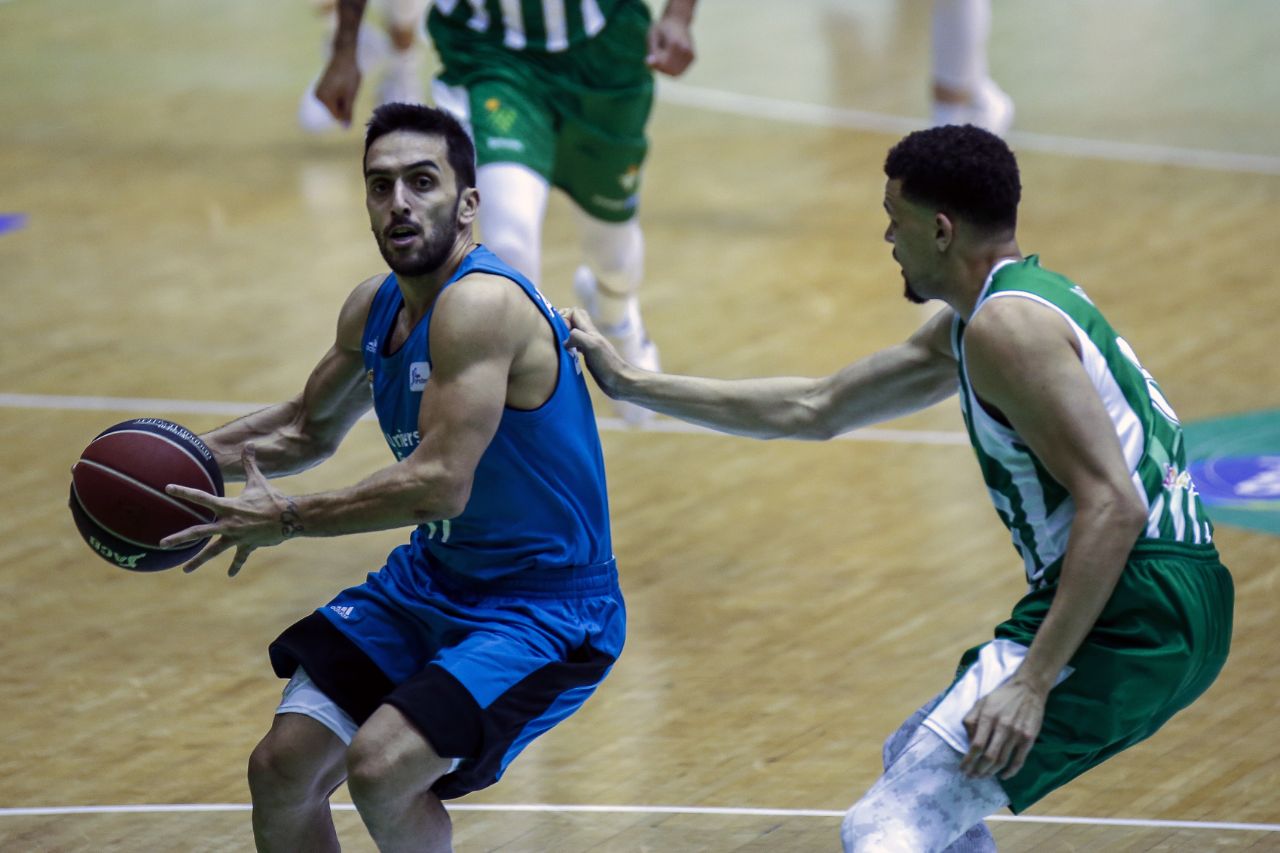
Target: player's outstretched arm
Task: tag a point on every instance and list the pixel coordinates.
(300, 433)
(895, 381)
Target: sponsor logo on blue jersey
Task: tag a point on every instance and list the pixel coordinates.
(419, 373)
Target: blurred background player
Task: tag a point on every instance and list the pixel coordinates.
(555, 93)
(389, 49)
(963, 91)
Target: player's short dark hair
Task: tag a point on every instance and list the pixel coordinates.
(428, 121)
(964, 170)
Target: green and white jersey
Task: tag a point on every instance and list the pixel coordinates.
(547, 26)
(1036, 508)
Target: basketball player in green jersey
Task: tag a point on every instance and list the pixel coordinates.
(555, 93)
(1127, 618)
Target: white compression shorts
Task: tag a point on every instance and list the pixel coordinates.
(301, 696)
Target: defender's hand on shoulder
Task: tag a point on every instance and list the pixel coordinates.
(603, 361)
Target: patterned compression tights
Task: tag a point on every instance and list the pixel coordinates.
(922, 802)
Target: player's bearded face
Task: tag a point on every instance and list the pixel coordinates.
(414, 201)
(902, 234)
(909, 292)
(413, 248)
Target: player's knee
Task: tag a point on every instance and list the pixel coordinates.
(370, 776)
(278, 772)
(387, 762)
(298, 759)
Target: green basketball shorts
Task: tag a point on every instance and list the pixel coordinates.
(577, 118)
(1161, 640)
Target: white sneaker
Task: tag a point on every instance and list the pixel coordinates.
(628, 338)
(991, 109)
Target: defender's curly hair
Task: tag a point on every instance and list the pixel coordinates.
(428, 121)
(964, 170)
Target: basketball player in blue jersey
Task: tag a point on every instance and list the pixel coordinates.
(1128, 611)
(502, 614)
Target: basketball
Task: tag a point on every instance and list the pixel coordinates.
(118, 499)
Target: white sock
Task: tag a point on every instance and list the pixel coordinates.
(615, 257)
(404, 63)
(960, 32)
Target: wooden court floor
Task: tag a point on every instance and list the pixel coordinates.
(186, 248)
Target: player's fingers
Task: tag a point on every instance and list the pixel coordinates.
(206, 554)
(580, 340)
(195, 496)
(978, 738)
(970, 759)
(242, 554)
(576, 318)
(191, 534)
(566, 314)
(1018, 758)
(996, 755)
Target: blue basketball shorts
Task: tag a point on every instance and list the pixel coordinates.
(479, 670)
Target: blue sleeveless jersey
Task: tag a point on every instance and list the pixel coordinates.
(538, 501)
